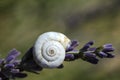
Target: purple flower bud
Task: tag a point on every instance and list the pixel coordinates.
(89, 54)
(92, 49)
(69, 56)
(87, 45)
(102, 54)
(10, 59)
(69, 49)
(74, 44)
(90, 57)
(108, 48)
(13, 52)
(15, 70)
(9, 66)
(107, 45)
(90, 43)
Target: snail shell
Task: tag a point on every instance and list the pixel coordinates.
(49, 49)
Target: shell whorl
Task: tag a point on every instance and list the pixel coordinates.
(49, 49)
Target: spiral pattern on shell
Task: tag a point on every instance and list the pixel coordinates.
(49, 49)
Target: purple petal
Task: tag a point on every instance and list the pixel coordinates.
(13, 52)
(93, 60)
(108, 49)
(69, 56)
(69, 49)
(92, 49)
(107, 45)
(90, 58)
(9, 66)
(74, 44)
(12, 55)
(87, 45)
(10, 59)
(89, 54)
(102, 54)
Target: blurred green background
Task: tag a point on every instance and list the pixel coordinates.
(21, 21)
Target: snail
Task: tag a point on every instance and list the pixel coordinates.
(49, 49)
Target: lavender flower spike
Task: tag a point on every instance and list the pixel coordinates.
(10, 67)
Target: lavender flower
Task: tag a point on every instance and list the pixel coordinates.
(10, 66)
(91, 54)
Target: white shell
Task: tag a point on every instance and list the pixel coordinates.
(49, 49)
